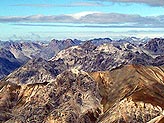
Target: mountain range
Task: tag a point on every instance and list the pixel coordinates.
(101, 50)
(72, 81)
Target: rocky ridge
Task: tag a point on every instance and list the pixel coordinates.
(108, 56)
(25, 51)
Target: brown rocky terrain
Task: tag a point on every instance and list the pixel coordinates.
(129, 94)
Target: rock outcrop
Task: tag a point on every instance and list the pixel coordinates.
(155, 46)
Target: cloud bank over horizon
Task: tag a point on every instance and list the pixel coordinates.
(114, 19)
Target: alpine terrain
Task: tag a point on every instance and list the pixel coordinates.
(73, 81)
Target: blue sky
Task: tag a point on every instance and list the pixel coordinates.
(82, 19)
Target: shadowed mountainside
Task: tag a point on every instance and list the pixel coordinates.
(8, 62)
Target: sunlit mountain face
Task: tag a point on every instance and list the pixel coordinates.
(83, 61)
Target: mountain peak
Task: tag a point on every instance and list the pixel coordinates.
(88, 45)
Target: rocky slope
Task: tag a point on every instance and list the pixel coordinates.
(8, 62)
(36, 71)
(155, 46)
(108, 56)
(132, 93)
(23, 51)
(55, 46)
(26, 50)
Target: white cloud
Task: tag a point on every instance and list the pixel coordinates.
(110, 19)
(148, 2)
(75, 4)
(82, 14)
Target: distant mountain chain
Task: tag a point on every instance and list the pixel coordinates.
(73, 81)
(104, 52)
